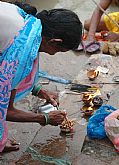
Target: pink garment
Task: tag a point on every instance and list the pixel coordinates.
(112, 128)
(25, 84)
(4, 138)
(29, 80)
(5, 95)
(22, 50)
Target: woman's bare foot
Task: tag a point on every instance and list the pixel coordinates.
(11, 146)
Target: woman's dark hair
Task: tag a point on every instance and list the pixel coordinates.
(26, 7)
(63, 24)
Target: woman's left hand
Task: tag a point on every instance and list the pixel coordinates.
(49, 96)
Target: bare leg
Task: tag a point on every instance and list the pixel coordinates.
(101, 25)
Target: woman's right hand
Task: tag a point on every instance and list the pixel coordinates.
(56, 117)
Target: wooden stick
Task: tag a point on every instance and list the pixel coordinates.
(105, 83)
(106, 13)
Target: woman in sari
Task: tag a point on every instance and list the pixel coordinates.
(22, 36)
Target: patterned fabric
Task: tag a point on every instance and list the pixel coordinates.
(110, 25)
(16, 64)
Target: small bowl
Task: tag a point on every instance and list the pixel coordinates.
(87, 98)
(89, 112)
(92, 74)
(97, 101)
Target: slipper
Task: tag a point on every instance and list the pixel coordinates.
(91, 47)
(80, 47)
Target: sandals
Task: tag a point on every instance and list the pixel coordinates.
(91, 47)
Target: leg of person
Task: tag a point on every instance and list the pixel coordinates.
(87, 24)
(101, 25)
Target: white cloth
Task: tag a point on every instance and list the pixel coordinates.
(10, 23)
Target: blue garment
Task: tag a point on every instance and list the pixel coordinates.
(30, 40)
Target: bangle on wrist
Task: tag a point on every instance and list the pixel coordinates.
(47, 119)
(36, 90)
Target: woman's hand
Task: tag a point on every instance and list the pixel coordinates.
(56, 117)
(111, 36)
(49, 96)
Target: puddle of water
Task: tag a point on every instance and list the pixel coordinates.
(54, 147)
(51, 142)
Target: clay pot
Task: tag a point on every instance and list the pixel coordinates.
(88, 111)
(92, 74)
(87, 99)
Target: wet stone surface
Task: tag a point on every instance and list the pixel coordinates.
(50, 141)
(55, 144)
(102, 150)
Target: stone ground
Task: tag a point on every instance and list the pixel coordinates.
(48, 140)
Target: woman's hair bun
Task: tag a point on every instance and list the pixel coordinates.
(63, 24)
(43, 15)
(26, 7)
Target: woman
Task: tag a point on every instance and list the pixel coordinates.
(103, 23)
(22, 36)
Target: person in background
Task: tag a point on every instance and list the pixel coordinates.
(100, 22)
(22, 37)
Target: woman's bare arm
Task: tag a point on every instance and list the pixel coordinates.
(15, 115)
